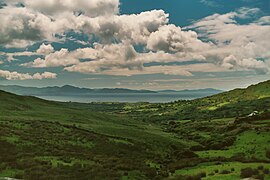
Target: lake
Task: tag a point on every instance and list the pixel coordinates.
(129, 97)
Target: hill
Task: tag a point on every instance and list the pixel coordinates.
(197, 139)
(235, 103)
(50, 140)
(252, 92)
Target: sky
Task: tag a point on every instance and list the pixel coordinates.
(142, 44)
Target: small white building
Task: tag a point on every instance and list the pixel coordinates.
(253, 113)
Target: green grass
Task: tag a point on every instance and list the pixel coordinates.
(153, 164)
(123, 141)
(210, 168)
(12, 139)
(250, 143)
(9, 173)
(56, 161)
(212, 108)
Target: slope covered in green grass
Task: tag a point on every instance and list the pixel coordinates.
(48, 136)
(235, 103)
(208, 138)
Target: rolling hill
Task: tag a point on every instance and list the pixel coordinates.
(235, 103)
(207, 138)
(41, 139)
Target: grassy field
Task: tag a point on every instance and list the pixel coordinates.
(228, 170)
(250, 143)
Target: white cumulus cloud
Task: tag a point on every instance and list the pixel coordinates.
(45, 49)
(217, 39)
(21, 76)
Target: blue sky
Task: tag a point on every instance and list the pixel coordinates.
(142, 44)
(183, 12)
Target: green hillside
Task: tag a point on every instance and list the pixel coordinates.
(257, 91)
(44, 140)
(253, 92)
(208, 138)
(235, 103)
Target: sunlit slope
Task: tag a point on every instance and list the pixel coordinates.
(235, 103)
(252, 92)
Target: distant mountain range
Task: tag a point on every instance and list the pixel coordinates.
(207, 90)
(68, 90)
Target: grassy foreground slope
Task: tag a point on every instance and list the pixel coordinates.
(208, 138)
(49, 140)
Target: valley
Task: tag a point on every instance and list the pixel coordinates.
(224, 136)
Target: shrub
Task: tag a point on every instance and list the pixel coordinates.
(163, 174)
(246, 173)
(203, 174)
(151, 172)
(182, 177)
(266, 171)
(255, 172)
(259, 177)
(239, 157)
(172, 170)
(18, 176)
(267, 154)
(197, 148)
(260, 167)
(196, 177)
(225, 172)
(187, 154)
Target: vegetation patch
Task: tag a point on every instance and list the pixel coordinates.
(249, 144)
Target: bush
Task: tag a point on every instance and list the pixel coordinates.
(267, 154)
(187, 154)
(203, 174)
(260, 167)
(238, 157)
(197, 148)
(266, 171)
(225, 172)
(246, 173)
(151, 172)
(164, 174)
(259, 177)
(196, 177)
(255, 172)
(172, 170)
